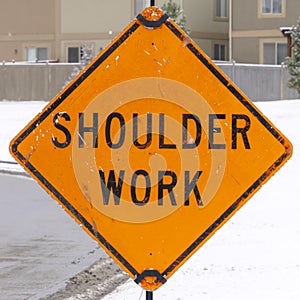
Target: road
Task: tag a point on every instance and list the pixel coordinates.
(40, 245)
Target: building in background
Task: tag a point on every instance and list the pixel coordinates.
(56, 30)
(256, 36)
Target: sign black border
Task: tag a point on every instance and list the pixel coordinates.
(179, 34)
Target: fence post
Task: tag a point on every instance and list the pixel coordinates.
(4, 80)
(49, 82)
(282, 85)
(233, 70)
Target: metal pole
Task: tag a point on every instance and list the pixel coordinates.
(230, 30)
(149, 295)
(152, 3)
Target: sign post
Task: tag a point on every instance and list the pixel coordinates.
(149, 295)
(151, 149)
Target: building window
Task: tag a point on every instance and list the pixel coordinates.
(271, 8)
(140, 5)
(274, 53)
(219, 52)
(36, 54)
(73, 54)
(81, 54)
(221, 9)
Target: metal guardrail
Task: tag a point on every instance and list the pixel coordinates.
(8, 162)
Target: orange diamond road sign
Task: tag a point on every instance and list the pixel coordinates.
(151, 148)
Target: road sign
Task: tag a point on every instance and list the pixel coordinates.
(151, 148)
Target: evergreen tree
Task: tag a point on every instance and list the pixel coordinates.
(293, 63)
(175, 13)
(87, 54)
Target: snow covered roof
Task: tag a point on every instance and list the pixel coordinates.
(286, 30)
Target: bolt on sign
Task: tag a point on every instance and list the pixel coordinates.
(151, 148)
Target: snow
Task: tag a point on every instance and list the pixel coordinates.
(14, 115)
(254, 256)
(40, 245)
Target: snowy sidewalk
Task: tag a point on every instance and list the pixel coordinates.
(40, 245)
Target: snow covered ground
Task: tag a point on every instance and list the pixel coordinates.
(40, 246)
(254, 256)
(13, 118)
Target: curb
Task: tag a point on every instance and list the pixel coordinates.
(4, 170)
(100, 279)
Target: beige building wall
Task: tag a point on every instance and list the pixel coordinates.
(252, 29)
(101, 21)
(59, 24)
(92, 22)
(205, 28)
(25, 24)
(56, 25)
(94, 16)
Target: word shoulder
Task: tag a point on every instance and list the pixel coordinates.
(240, 125)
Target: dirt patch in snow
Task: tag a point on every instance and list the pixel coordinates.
(93, 283)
